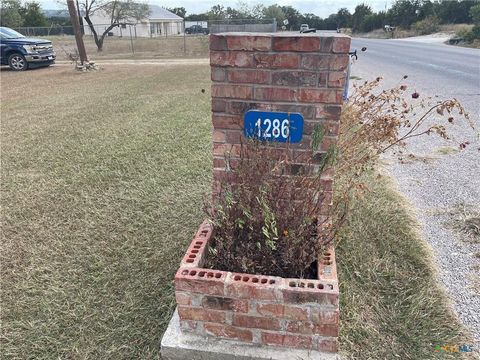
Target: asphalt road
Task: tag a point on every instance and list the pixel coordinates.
(441, 186)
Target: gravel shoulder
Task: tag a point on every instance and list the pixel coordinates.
(438, 179)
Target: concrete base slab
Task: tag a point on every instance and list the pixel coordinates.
(181, 346)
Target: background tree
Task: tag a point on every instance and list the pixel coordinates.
(274, 12)
(343, 18)
(217, 12)
(456, 12)
(125, 11)
(403, 13)
(475, 14)
(372, 22)
(10, 13)
(293, 16)
(179, 11)
(358, 16)
(32, 15)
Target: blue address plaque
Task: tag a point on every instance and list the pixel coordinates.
(273, 126)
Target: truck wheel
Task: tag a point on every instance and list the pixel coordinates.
(17, 62)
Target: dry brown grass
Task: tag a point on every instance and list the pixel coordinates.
(102, 185)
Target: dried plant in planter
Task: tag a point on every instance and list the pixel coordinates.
(375, 121)
(266, 220)
(268, 223)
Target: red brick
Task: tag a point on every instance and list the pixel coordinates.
(219, 163)
(308, 111)
(226, 122)
(275, 310)
(223, 303)
(252, 76)
(256, 322)
(341, 45)
(218, 74)
(294, 78)
(318, 95)
(218, 42)
(315, 62)
(275, 94)
(199, 314)
(234, 137)
(219, 105)
(339, 62)
(231, 58)
(232, 91)
(249, 43)
(327, 44)
(227, 331)
(245, 288)
(239, 107)
(297, 341)
(183, 298)
(309, 328)
(300, 43)
(295, 313)
(219, 136)
(328, 142)
(226, 149)
(277, 61)
(272, 338)
(322, 79)
(203, 285)
(320, 293)
(328, 345)
(328, 112)
(337, 79)
(327, 317)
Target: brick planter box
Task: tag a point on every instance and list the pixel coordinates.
(268, 310)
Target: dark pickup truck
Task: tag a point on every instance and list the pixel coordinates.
(21, 53)
(197, 29)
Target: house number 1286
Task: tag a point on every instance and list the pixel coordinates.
(275, 128)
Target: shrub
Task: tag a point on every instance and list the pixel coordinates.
(269, 224)
(427, 26)
(469, 35)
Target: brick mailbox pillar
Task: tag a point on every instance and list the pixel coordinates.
(279, 72)
(302, 75)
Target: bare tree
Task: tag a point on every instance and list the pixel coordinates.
(119, 12)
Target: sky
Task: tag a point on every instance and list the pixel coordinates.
(321, 8)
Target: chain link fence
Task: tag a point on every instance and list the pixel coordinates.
(146, 40)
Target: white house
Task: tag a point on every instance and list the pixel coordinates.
(160, 22)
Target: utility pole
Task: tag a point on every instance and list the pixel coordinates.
(80, 20)
(76, 29)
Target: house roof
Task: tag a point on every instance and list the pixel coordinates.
(157, 12)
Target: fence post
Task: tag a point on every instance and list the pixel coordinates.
(131, 39)
(184, 40)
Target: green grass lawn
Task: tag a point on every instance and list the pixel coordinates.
(103, 178)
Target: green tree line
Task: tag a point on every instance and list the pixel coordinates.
(403, 13)
(14, 14)
(422, 14)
